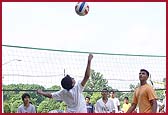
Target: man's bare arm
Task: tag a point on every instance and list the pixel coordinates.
(132, 108)
(154, 105)
(44, 93)
(87, 72)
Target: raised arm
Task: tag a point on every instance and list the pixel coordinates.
(87, 72)
(39, 91)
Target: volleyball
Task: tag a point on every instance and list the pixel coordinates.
(82, 8)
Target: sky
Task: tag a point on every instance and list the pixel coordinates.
(110, 27)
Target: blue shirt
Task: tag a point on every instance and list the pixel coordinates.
(90, 108)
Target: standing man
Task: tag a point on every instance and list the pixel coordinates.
(90, 107)
(104, 105)
(26, 107)
(126, 105)
(116, 101)
(144, 96)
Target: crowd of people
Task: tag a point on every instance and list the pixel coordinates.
(105, 104)
(144, 97)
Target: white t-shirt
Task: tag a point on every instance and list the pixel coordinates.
(29, 109)
(116, 104)
(102, 107)
(73, 98)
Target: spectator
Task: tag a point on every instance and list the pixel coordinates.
(26, 107)
(126, 105)
(104, 105)
(89, 106)
(116, 101)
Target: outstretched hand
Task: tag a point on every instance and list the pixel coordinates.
(49, 95)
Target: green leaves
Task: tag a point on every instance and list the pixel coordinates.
(96, 82)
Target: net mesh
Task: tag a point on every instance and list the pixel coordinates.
(47, 67)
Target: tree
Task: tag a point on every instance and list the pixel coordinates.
(13, 92)
(10, 96)
(54, 87)
(15, 105)
(133, 87)
(48, 105)
(96, 83)
(95, 97)
(6, 108)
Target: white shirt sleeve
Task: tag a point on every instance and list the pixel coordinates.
(57, 95)
(80, 87)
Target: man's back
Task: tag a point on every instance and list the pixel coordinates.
(73, 98)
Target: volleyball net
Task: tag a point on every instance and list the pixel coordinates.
(47, 67)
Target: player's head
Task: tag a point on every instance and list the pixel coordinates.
(68, 82)
(26, 98)
(104, 92)
(143, 75)
(87, 98)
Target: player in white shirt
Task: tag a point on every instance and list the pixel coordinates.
(104, 105)
(72, 93)
(116, 102)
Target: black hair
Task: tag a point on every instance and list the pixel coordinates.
(112, 91)
(126, 98)
(25, 95)
(87, 97)
(104, 89)
(145, 71)
(66, 82)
